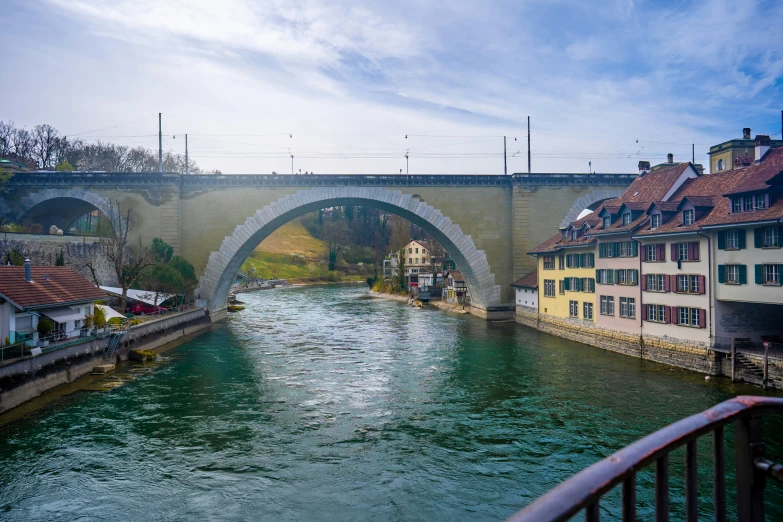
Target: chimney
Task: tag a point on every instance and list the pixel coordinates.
(746, 133)
(762, 146)
(28, 276)
(644, 167)
(670, 158)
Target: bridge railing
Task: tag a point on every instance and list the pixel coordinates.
(584, 490)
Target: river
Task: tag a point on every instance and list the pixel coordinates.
(325, 403)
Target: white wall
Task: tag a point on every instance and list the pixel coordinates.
(527, 297)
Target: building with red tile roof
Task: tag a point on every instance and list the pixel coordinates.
(526, 290)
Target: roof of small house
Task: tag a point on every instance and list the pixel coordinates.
(528, 281)
(556, 242)
(456, 275)
(50, 286)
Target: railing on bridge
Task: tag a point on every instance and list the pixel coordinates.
(585, 490)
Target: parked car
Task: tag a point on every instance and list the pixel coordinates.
(145, 309)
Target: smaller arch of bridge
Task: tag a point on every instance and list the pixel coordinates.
(587, 201)
(88, 201)
(224, 264)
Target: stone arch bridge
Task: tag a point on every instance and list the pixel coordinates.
(487, 223)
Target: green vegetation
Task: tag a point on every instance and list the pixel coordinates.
(167, 273)
(64, 166)
(384, 287)
(60, 261)
(269, 265)
(14, 257)
(99, 318)
(44, 327)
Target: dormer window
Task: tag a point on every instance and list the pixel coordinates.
(626, 219)
(748, 203)
(655, 221)
(721, 164)
(687, 217)
(607, 221)
(574, 234)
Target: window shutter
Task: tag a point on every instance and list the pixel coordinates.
(567, 283)
(635, 248)
(616, 276)
(758, 238)
(667, 314)
(661, 251)
(583, 260)
(721, 274)
(644, 253)
(644, 284)
(615, 249)
(702, 318)
(666, 285)
(693, 251)
(675, 317)
(597, 275)
(635, 273)
(674, 251)
(592, 286)
(741, 238)
(702, 284)
(722, 240)
(759, 274)
(610, 277)
(743, 274)
(602, 250)
(591, 259)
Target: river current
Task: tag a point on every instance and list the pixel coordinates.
(324, 403)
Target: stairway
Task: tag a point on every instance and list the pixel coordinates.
(114, 342)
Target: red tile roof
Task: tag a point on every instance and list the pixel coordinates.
(51, 286)
(653, 186)
(528, 281)
(556, 242)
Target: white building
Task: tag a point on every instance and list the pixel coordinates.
(527, 290)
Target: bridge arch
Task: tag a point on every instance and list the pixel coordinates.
(590, 201)
(60, 207)
(224, 264)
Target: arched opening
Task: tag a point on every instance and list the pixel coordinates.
(73, 212)
(224, 264)
(588, 202)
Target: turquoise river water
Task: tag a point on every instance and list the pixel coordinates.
(324, 403)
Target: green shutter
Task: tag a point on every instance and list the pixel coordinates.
(741, 238)
(610, 277)
(722, 240)
(592, 285)
(759, 274)
(758, 238)
(635, 276)
(597, 275)
(602, 250)
(591, 259)
(721, 273)
(616, 275)
(567, 283)
(743, 274)
(634, 248)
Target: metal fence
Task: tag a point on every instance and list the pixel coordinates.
(772, 348)
(583, 492)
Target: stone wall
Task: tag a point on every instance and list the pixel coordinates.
(43, 251)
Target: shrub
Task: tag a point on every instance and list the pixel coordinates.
(115, 320)
(44, 327)
(99, 317)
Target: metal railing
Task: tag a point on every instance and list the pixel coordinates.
(584, 490)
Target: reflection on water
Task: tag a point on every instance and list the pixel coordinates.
(321, 403)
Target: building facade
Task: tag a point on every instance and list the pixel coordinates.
(526, 291)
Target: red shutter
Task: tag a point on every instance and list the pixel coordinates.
(667, 315)
(693, 251)
(702, 284)
(644, 284)
(661, 254)
(666, 286)
(673, 284)
(674, 251)
(702, 318)
(644, 253)
(675, 315)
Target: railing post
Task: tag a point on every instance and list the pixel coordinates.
(750, 483)
(733, 358)
(766, 365)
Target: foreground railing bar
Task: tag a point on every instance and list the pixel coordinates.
(662, 489)
(691, 483)
(750, 483)
(573, 495)
(593, 512)
(719, 474)
(629, 499)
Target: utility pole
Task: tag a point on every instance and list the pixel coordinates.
(528, 144)
(160, 144)
(505, 160)
(187, 171)
(407, 172)
(292, 164)
(693, 153)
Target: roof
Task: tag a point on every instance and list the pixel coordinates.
(556, 242)
(653, 186)
(50, 286)
(456, 275)
(528, 281)
(144, 296)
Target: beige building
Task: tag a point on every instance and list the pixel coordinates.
(737, 152)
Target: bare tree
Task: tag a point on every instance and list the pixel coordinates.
(46, 142)
(23, 144)
(128, 261)
(400, 233)
(6, 138)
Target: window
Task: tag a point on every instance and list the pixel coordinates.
(587, 284)
(771, 237)
(652, 253)
(682, 251)
(656, 283)
(771, 274)
(561, 262)
(605, 277)
(627, 307)
(549, 287)
(621, 277)
(736, 205)
(721, 165)
(655, 221)
(574, 235)
(573, 308)
(417, 250)
(410, 260)
(689, 316)
(549, 262)
(562, 287)
(417, 260)
(423, 260)
(688, 284)
(622, 249)
(749, 203)
(587, 310)
(410, 250)
(607, 221)
(626, 218)
(627, 277)
(687, 217)
(423, 250)
(732, 240)
(656, 313)
(607, 305)
(732, 274)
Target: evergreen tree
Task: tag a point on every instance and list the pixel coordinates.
(60, 261)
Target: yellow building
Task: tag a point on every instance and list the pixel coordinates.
(566, 272)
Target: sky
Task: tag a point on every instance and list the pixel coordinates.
(352, 87)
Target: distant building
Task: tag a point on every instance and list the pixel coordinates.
(456, 288)
(736, 152)
(527, 290)
(29, 294)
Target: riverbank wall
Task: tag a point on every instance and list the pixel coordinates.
(693, 356)
(34, 376)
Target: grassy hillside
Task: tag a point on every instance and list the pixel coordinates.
(293, 238)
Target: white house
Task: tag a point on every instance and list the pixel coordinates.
(527, 290)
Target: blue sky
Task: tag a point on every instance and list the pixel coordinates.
(341, 84)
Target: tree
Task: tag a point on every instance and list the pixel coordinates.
(46, 143)
(168, 273)
(161, 250)
(14, 258)
(128, 261)
(335, 233)
(60, 261)
(401, 268)
(5, 177)
(64, 166)
(161, 278)
(188, 273)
